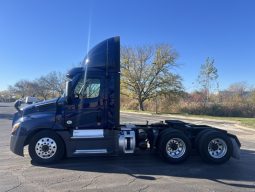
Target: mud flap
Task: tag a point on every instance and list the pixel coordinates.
(236, 149)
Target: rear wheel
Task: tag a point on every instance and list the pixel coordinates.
(215, 147)
(198, 138)
(174, 147)
(46, 147)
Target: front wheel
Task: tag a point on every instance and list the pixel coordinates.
(174, 147)
(46, 147)
(215, 147)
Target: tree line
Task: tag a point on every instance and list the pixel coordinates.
(148, 82)
(44, 87)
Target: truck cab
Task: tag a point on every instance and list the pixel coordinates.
(85, 120)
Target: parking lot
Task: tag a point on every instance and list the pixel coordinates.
(138, 172)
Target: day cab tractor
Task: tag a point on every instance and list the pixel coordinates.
(85, 120)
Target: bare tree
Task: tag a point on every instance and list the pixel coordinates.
(19, 88)
(23, 88)
(6, 96)
(50, 85)
(238, 88)
(145, 72)
(253, 97)
(207, 77)
(237, 93)
(54, 82)
(42, 88)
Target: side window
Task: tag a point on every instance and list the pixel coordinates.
(90, 90)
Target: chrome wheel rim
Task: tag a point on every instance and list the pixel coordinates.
(175, 148)
(45, 148)
(217, 148)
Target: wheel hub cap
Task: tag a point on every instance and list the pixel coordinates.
(175, 148)
(217, 148)
(45, 148)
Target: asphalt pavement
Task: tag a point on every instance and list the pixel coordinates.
(138, 172)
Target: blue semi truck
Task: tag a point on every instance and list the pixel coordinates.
(85, 120)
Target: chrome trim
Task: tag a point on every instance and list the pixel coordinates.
(86, 137)
(88, 133)
(90, 151)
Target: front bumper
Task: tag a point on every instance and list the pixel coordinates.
(17, 144)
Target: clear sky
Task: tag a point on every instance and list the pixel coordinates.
(37, 37)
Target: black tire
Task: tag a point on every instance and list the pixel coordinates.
(53, 157)
(174, 136)
(198, 138)
(217, 157)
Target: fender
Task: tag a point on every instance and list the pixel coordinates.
(28, 126)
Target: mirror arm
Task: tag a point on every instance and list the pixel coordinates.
(17, 105)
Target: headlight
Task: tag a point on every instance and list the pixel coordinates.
(15, 126)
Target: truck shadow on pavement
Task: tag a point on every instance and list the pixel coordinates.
(236, 173)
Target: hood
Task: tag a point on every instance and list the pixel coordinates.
(44, 106)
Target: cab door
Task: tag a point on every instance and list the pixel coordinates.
(85, 116)
(86, 109)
